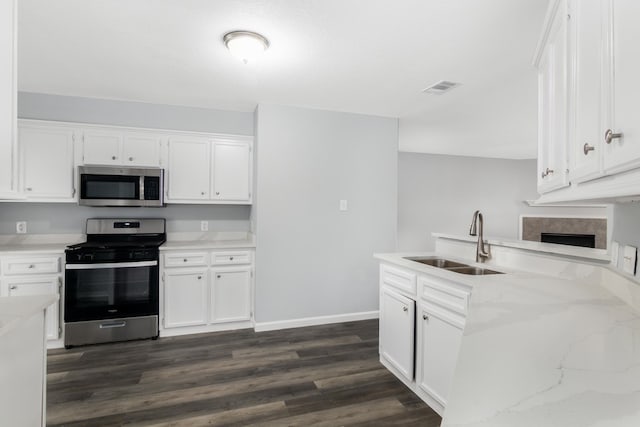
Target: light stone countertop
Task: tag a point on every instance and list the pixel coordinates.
(37, 243)
(209, 240)
(540, 350)
(15, 310)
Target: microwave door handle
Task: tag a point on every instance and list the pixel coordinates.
(141, 187)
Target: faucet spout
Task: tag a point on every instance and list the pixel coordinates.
(477, 228)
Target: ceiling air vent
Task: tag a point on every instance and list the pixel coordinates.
(441, 87)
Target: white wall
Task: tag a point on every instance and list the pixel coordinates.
(313, 260)
(626, 225)
(439, 193)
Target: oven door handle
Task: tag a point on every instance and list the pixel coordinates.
(111, 265)
(109, 325)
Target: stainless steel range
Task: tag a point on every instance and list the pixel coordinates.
(112, 282)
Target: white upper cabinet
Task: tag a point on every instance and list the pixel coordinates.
(121, 148)
(47, 162)
(231, 171)
(602, 65)
(586, 98)
(553, 68)
(622, 86)
(188, 169)
(8, 152)
(209, 170)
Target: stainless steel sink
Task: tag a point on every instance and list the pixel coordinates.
(456, 267)
(473, 271)
(437, 262)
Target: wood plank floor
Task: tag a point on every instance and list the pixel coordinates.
(326, 375)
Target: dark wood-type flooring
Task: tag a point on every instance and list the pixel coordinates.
(326, 375)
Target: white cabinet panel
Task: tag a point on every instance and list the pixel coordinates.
(102, 147)
(587, 129)
(230, 294)
(231, 171)
(623, 86)
(47, 162)
(185, 297)
(188, 169)
(30, 265)
(397, 331)
(141, 150)
(553, 68)
(185, 259)
(39, 286)
(439, 338)
(8, 90)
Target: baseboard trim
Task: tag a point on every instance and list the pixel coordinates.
(312, 321)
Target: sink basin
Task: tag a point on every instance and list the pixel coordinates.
(437, 262)
(473, 271)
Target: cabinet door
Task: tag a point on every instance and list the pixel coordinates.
(188, 169)
(397, 331)
(46, 158)
(185, 297)
(8, 90)
(230, 294)
(553, 116)
(141, 150)
(40, 286)
(586, 102)
(232, 171)
(439, 337)
(102, 147)
(623, 85)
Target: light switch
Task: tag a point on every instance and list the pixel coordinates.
(343, 205)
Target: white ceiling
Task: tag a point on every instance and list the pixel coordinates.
(363, 56)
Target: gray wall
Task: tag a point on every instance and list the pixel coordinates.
(135, 114)
(439, 193)
(70, 218)
(312, 259)
(626, 225)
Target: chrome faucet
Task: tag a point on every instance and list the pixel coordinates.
(482, 252)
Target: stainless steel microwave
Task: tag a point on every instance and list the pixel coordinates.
(120, 186)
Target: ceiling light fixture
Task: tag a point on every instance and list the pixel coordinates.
(245, 45)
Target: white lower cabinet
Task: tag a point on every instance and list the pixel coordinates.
(438, 343)
(421, 324)
(34, 275)
(397, 314)
(230, 294)
(206, 290)
(185, 297)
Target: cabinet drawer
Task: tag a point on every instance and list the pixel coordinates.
(398, 278)
(31, 265)
(444, 294)
(230, 257)
(185, 259)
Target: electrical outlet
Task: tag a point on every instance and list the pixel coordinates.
(21, 227)
(204, 225)
(343, 205)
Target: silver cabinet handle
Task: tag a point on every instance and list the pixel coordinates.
(609, 136)
(405, 309)
(32, 266)
(230, 258)
(217, 193)
(202, 192)
(29, 189)
(113, 157)
(199, 277)
(13, 287)
(425, 317)
(587, 148)
(131, 159)
(184, 260)
(218, 276)
(547, 172)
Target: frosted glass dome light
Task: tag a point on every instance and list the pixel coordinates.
(245, 45)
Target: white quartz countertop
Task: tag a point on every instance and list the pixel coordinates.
(15, 310)
(209, 240)
(38, 244)
(540, 350)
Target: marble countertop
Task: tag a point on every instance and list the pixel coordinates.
(208, 240)
(37, 244)
(543, 350)
(15, 310)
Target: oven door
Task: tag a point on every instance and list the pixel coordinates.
(110, 290)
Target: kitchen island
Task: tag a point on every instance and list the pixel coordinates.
(554, 341)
